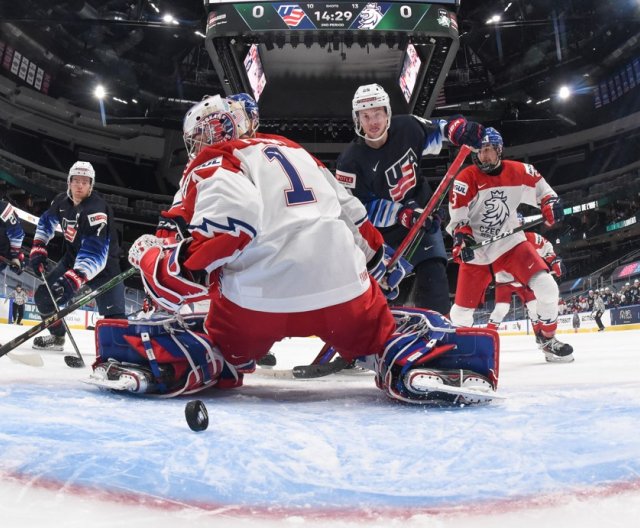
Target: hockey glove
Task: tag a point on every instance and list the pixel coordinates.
(389, 279)
(459, 131)
(38, 257)
(16, 258)
(140, 246)
(66, 286)
(462, 239)
(173, 229)
(552, 210)
(409, 215)
(555, 265)
(165, 279)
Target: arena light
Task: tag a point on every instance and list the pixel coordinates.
(99, 92)
(494, 19)
(564, 92)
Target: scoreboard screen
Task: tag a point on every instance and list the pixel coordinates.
(227, 19)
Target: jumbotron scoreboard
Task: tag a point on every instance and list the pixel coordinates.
(305, 60)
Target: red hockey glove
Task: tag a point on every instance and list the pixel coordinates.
(555, 265)
(462, 239)
(165, 280)
(16, 258)
(38, 257)
(66, 286)
(552, 210)
(409, 215)
(462, 132)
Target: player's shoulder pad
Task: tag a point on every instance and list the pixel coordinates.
(530, 170)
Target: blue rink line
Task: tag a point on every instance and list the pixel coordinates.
(319, 453)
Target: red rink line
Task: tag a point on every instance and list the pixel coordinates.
(372, 513)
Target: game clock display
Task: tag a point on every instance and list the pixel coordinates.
(228, 18)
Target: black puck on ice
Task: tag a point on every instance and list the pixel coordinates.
(197, 416)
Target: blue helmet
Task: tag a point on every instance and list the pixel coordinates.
(492, 138)
(250, 107)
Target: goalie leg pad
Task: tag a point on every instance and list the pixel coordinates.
(426, 342)
(172, 354)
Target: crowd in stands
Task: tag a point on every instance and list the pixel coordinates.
(627, 295)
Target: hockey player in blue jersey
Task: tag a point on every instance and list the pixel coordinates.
(90, 252)
(381, 167)
(11, 237)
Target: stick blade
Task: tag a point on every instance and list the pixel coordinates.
(32, 360)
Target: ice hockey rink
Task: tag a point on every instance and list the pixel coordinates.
(562, 448)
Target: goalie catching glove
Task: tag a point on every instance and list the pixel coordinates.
(389, 279)
(164, 277)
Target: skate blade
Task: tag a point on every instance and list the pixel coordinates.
(422, 383)
(552, 358)
(117, 385)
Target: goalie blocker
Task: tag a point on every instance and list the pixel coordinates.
(426, 361)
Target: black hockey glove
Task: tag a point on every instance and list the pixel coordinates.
(16, 258)
(38, 257)
(66, 286)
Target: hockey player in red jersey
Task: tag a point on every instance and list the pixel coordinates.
(483, 202)
(506, 286)
(280, 249)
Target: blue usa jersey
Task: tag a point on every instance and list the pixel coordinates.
(388, 178)
(11, 231)
(88, 230)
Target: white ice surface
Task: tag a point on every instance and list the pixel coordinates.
(563, 448)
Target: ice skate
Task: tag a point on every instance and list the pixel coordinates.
(267, 361)
(458, 387)
(114, 375)
(556, 351)
(49, 342)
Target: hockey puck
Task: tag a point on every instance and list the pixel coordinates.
(197, 416)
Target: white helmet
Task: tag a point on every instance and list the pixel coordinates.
(81, 168)
(214, 120)
(370, 96)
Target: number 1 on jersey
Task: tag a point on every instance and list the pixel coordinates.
(298, 194)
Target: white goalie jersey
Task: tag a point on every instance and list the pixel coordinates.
(286, 236)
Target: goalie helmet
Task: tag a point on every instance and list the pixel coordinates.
(81, 168)
(250, 107)
(491, 138)
(214, 120)
(366, 97)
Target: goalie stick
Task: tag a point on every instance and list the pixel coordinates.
(81, 301)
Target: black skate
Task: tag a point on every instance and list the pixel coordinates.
(450, 387)
(267, 361)
(556, 351)
(49, 342)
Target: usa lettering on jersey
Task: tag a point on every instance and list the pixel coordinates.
(401, 176)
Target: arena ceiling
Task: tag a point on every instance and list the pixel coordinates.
(152, 67)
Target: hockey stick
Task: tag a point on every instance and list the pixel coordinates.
(323, 366)
(504, 234)
(46, 323)
(435, 199)
(33, 360)
(73, 362)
